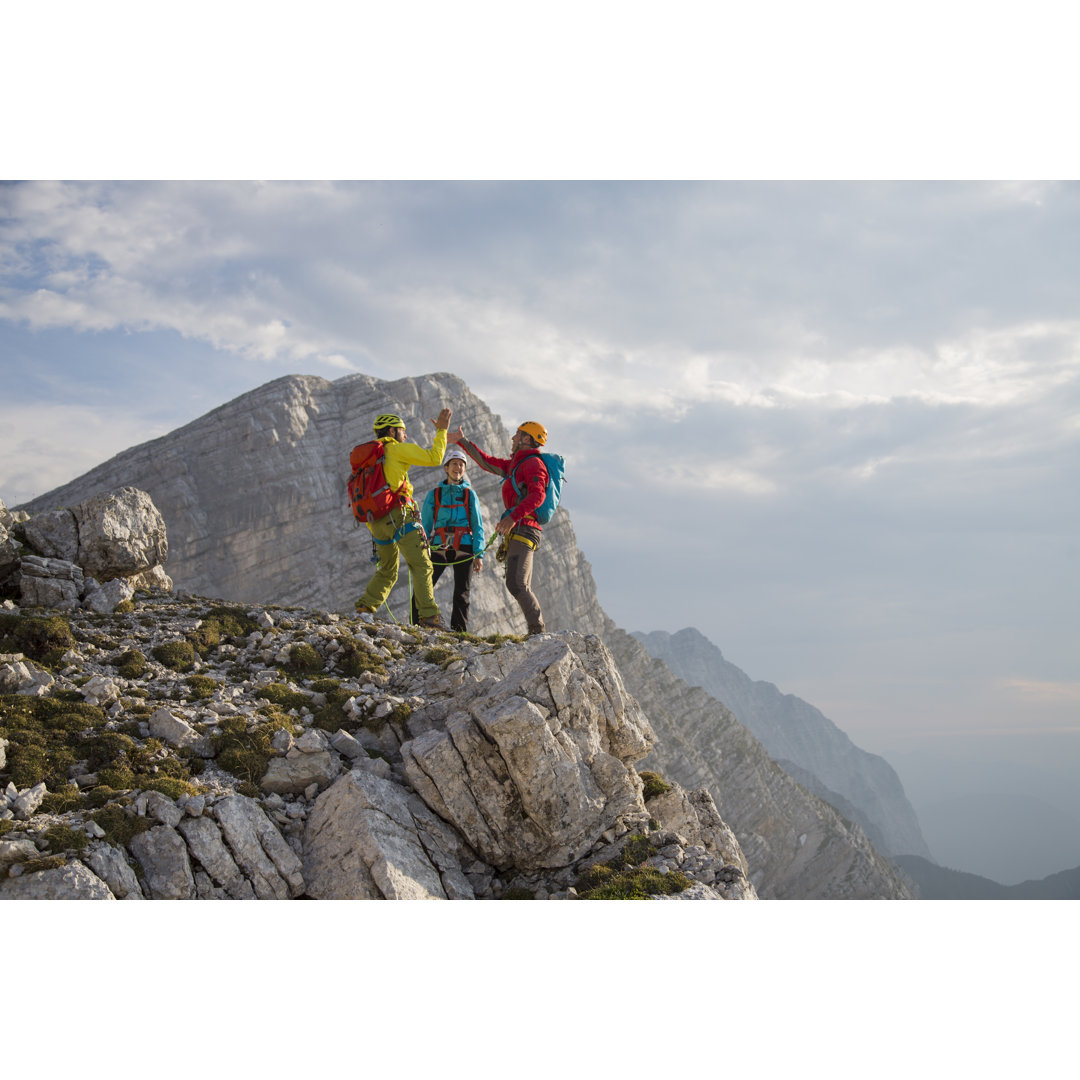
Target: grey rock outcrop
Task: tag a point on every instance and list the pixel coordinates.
(799, 737)
(471, 770)
(92, 555)
(71, 882)
(795, 844)
(254, 495)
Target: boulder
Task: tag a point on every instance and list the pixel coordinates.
(54, 534)
(362, 842)
(297, 771)
(261, 852)
(121, 534)
(50, 583)
(163, 855)
(173, 730)
(110, 865)
(24, 677)
(71, 882)
(205, 843)
(106, 598)
(539, 768)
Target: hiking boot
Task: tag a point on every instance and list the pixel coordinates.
(432, 622)
(534, 630)
(363, 609)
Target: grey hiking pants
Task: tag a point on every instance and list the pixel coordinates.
(522, 542)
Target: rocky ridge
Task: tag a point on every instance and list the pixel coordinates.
(795, 843)
(255, 500)
(190, 749)
(802, 740)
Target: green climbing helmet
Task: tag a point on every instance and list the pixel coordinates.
(387, 420)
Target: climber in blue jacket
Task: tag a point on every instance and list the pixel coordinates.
(454, 524)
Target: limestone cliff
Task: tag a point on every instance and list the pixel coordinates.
(811, 748)
(254, 496)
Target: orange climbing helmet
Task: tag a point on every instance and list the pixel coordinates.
(537, 431)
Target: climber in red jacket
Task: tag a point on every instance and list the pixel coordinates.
(525, 480)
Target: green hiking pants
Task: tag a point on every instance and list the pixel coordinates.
(411, 546)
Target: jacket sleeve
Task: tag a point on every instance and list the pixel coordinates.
(488, 462)
(399, 456)
(533, 474)
(427, 513)
(408, 453)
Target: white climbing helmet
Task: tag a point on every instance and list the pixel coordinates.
(455, 452)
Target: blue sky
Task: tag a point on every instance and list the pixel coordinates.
(831, 425)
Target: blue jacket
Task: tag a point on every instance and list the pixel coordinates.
(453, 517)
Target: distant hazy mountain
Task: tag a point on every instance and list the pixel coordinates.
(1005, 808)
(809, 746)
(938, 883)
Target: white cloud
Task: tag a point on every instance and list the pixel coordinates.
(1044, 692)
(45, 447)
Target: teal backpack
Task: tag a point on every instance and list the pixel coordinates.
(556, 468)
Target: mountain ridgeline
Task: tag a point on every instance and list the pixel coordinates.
(254, 498)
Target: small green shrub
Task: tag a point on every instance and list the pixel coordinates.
(45, 737)
(43, 640)
(439, 654)
(119, 826)
(61, 838)
(175, 655)
(354, 661)
(201, 687)
(131, 664)
(304, 659)
(280, 694)
(47, 862)
(246, 754)
(631, 884)
(60, 802)
(654, 785)
(332, 715)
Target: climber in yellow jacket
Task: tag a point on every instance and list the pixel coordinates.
(400, 533)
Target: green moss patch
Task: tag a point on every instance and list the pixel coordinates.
(280, 694)
(332, 715)
(439, 654)
(175, 655)
(604, 883)
(60, 838)
(246, 754)
(223, 623)
(131, 664)
(45, 737)
(43, 640)
(626, 878)
(654, 784)
(119, 826)
(354, 661)
(200, 687)
(304, 660)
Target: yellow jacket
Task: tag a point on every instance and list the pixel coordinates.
(399, 456)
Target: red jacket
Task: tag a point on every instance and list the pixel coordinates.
(528, 470)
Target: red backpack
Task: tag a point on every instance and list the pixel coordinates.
(370, 495)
